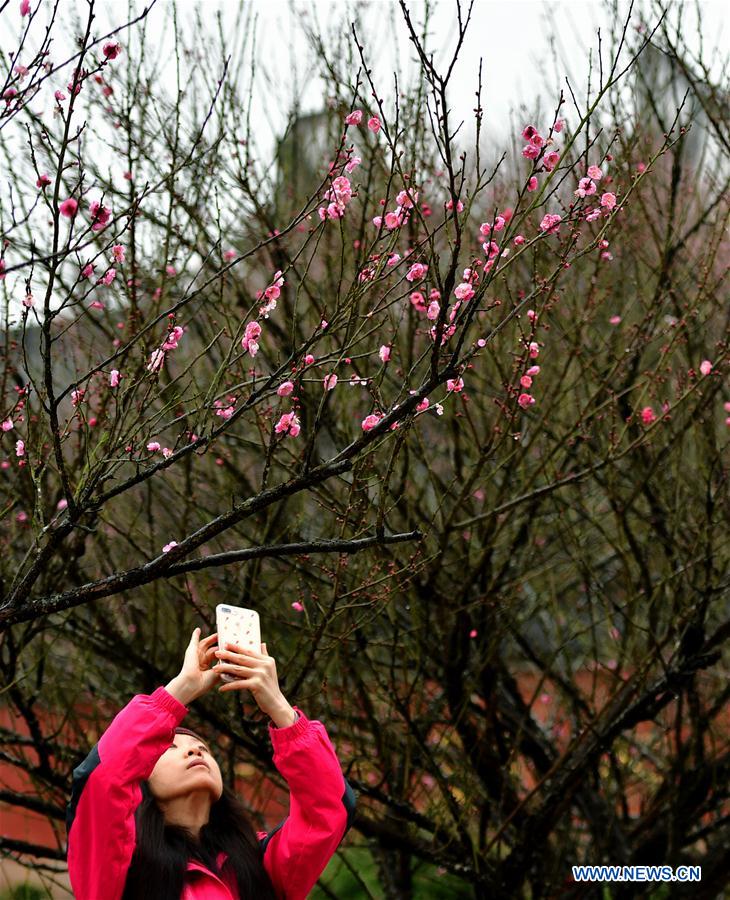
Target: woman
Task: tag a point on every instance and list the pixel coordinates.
(149, 816)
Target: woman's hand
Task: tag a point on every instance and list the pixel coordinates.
(257, 673)
(196, 676)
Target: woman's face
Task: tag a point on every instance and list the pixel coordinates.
(187, 765)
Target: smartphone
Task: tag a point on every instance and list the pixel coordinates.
(236, 625)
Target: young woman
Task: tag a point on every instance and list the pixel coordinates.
(150, 818)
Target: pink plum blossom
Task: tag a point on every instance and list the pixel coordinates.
(550, 223)
(455, 384)
(68, 207)
(416, 272)
(111, 50)
(225, 408)
(168, 547)
(446, 334)
(595, 173)
(374, 124)
(285, 388)
(406, 200)
(464, 291)
(99, 215)
(384, 353)
(288, 424)
(648, 415)
(486, 228)
(249, 342)
(20, 448)
(532, 183)
(43, 181)
(153, 446)
(608, 200)
(272, 293)
(172, 339)
(525, 400)
(354, 118)
(118, 253)
(329, 381)
(705, 367)
(339, 196)
(394, 219)
(586, 187)
(7, 424)
(157, 358)
(369, 422)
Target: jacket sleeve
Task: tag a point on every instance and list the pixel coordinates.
(106, 792)
(321, 808)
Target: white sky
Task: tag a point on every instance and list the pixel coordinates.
(512, 37)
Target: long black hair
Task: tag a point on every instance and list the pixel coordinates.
(162, 851)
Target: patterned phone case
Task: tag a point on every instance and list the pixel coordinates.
(239, 626)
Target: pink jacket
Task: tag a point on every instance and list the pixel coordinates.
(106, 793)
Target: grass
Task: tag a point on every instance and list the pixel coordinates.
(353, 875)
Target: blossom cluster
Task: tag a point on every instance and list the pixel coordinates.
(157, 357)
(338, 197)
(525, 399)
(405, 202)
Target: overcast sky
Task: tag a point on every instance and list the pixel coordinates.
(511, 37)
(527, 47)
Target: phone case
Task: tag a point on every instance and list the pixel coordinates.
(236, 625)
